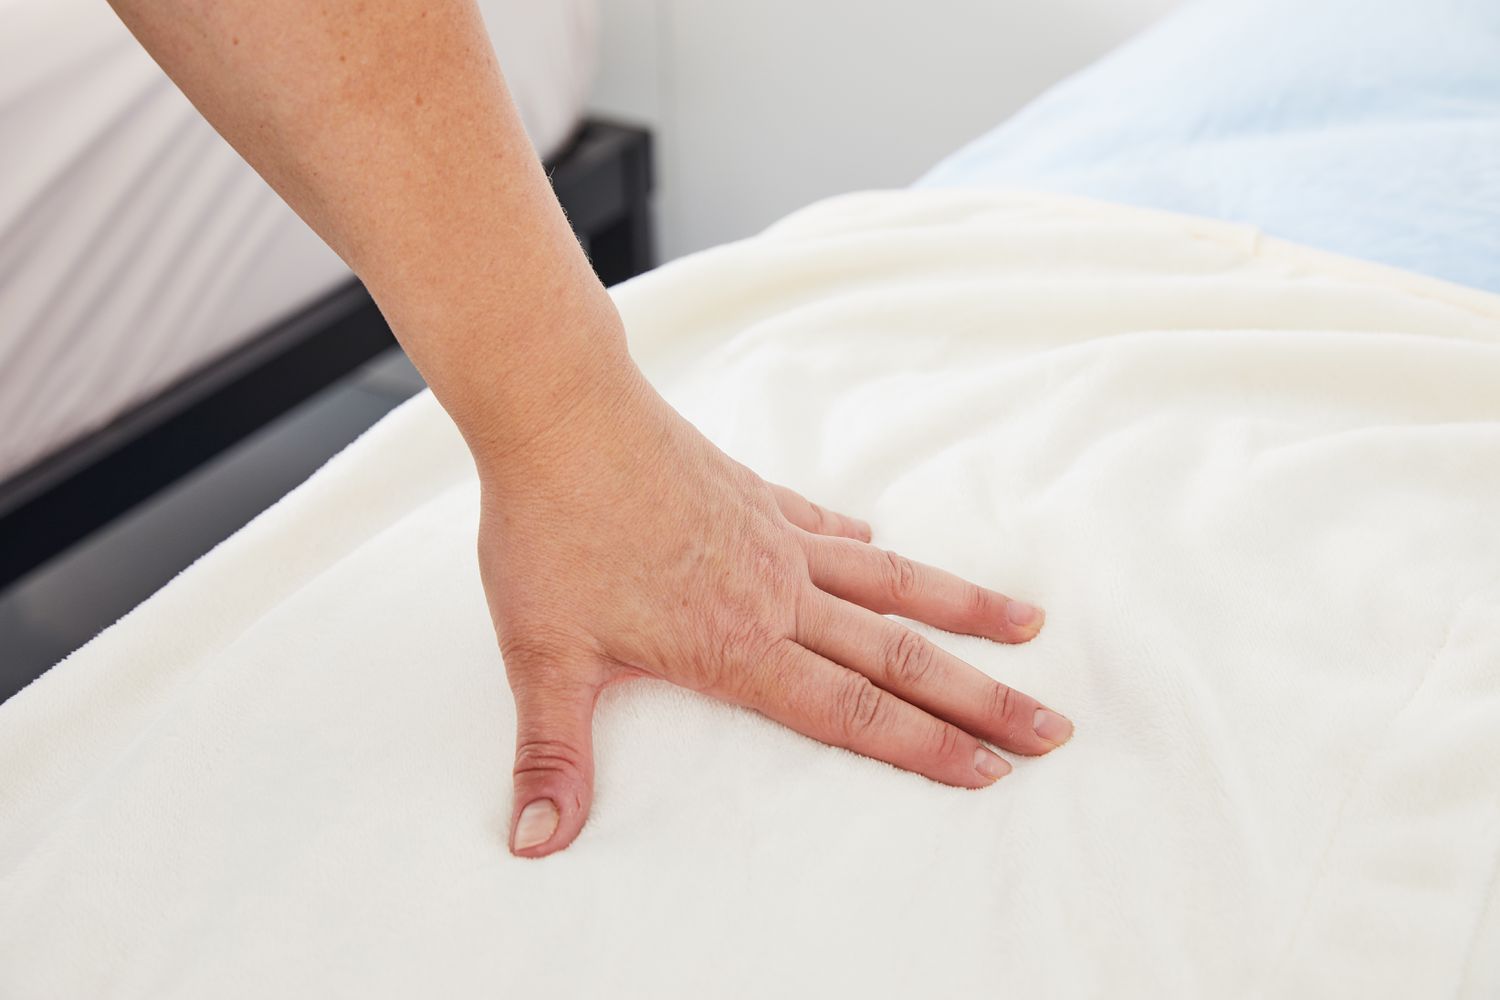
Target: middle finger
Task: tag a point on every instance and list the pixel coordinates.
(918, 671)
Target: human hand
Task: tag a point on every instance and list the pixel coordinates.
(626, 545)
(615, 541)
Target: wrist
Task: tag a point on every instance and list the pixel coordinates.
(514, 379)
(539, 427)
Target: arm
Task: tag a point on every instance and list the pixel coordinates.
(388, 128)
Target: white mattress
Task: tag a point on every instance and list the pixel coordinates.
(135, 244)
(1255, 487)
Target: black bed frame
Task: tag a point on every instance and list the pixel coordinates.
(603, 178)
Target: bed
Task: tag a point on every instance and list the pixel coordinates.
(143, 264)
(1253, 481)
(1368, 129)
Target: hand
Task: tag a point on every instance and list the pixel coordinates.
(614, 541)
(625, 545)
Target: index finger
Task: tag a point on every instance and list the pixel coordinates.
(891, 584)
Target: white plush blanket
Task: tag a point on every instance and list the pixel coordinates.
(1256, 487)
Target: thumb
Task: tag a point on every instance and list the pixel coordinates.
(554, 776)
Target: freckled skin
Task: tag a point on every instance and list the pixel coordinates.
(388, 128)
(692, 569)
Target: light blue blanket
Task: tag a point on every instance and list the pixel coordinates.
(1366, 127)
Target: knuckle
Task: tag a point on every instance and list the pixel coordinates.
(946, 742)
(774, 679)
(909, 658)
(544, 758)
(858, 709)
(751, 671)
(1005, 705)
(532, 648)
(809, 612)
(900, 577)
(978, 602)
(747, 638)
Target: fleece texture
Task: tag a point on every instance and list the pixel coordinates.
(1257, 488)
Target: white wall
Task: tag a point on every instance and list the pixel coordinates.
(762, 107)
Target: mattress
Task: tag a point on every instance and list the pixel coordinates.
(135, 244)
(1253, 484)
(1365, 127)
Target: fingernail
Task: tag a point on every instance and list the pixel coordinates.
(1021, 613)
(864, 528)
(538, 822)
(990, 765)
(1052, 727)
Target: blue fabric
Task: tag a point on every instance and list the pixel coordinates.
(1367, 127)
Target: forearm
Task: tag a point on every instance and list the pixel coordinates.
(388, 128)
(615, 541)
